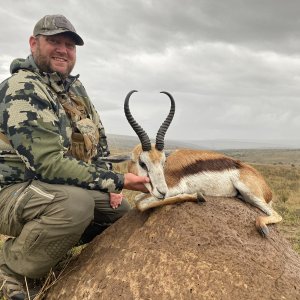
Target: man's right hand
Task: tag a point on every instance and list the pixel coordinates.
(135, 183)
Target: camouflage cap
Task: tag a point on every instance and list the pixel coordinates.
(55, 24)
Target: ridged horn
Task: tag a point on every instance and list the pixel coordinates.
(160, 137)
(142, 135)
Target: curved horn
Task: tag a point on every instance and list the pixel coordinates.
(159, 144)
(142, 135)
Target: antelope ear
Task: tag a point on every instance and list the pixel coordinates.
(169, 152)
(115, 158)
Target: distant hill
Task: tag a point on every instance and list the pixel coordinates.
(128, 142)
(222, 144)
(251, 152)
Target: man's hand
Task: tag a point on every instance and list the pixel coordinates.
(135, 183)
(115, 200)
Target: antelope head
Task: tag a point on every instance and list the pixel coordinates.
(148, 159)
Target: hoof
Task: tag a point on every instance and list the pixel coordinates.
(264, 231)
(200, 198)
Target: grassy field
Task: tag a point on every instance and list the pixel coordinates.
(285, 183)
(284, 157)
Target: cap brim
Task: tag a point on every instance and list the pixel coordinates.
(77, 39)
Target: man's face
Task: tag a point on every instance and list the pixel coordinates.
(54, 53)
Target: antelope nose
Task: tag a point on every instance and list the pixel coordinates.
(161, 193)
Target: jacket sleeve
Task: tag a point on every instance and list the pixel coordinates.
(33, 129)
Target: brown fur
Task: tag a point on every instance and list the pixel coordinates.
(183, 163)
(257, 183)
(131, 166)
(190, 162)
(154, 155)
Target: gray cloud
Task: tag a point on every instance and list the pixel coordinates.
(233, 66)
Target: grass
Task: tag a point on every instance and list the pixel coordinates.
(285, 183)
(267, 156)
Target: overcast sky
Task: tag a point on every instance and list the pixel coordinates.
(233, 66)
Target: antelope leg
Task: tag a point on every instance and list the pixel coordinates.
(146, 201)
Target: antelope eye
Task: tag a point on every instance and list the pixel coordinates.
(142, 165)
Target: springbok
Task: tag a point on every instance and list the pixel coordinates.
(190, 175)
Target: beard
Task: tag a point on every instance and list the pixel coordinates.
(44, 63)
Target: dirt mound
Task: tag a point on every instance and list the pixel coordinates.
(186, 251)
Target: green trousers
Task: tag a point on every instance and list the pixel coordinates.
(44, 221)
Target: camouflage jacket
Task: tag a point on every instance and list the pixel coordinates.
(38, 132)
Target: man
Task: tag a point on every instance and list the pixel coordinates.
(55, 191)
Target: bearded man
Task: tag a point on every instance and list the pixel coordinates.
(55, 191)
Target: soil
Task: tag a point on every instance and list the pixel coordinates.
(185, 251)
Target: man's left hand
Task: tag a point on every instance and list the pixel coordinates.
(115, 200)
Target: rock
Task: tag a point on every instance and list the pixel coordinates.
(185, 251)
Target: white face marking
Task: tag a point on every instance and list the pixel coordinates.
(155, 171)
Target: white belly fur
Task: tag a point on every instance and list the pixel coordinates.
(217, 183)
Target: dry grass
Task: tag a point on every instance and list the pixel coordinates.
(285, 183)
